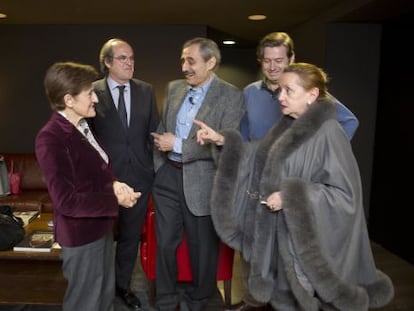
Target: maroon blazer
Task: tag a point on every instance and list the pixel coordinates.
(79, 182)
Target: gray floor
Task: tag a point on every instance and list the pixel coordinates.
(400, 271)
(139, 286)
(119, 306)
(216, 304)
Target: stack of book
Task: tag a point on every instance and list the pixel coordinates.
(37, 241)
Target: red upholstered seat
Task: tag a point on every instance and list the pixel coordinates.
(148, 252)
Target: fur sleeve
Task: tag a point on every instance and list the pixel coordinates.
(224, 189)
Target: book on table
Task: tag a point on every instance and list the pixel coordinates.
(37, 241)
(27, 216)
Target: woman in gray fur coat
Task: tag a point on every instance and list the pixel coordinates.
(291, 203)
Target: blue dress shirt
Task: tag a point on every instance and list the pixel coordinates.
(185, 117)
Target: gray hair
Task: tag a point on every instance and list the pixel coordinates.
(208, 49)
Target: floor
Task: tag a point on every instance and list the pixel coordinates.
(400, 271)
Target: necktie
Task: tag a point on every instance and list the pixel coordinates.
(121, 106)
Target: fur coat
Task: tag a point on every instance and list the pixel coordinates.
(314, 253)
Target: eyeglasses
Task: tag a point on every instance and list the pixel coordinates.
(124, 59)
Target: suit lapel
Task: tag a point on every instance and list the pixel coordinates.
(177, 98)
(176, 101)
(209, 102)
(135, 104)
(106, 105)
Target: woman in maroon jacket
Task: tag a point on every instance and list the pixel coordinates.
(83, 189)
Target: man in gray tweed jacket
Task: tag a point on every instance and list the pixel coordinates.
(185, 172)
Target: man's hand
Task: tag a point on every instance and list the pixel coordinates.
(164, 142)
(126, 196)
(207, 135)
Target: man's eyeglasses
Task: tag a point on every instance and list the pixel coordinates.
(124, 59)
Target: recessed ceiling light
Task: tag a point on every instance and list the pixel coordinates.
(257, 17)
(2, 15)
(229, 42)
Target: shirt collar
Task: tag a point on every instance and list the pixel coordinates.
(274, 93)
(202, 89)
(113, 84)
(81, 126)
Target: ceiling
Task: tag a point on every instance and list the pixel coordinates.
(225, 18)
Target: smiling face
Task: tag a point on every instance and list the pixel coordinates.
(196, 70)
(81, 106)
(121, 66)
(274, 60)
(294, 98)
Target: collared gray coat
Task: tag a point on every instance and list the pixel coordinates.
(314, 253)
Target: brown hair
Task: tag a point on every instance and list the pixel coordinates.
(310, 76)
(67, 78)
(275, 39)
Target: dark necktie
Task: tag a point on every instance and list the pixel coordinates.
(121, 106)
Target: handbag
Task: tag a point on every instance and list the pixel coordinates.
(14, 179)
(11, 228)
(4, 178)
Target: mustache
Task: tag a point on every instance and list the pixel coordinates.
(187, 72)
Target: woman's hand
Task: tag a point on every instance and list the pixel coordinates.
(207, 135)
(125, 195)
(274, 201)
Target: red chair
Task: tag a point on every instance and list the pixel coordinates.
(149, 249)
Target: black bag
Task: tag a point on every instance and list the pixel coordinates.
(11, 228)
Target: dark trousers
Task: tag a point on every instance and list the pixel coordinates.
(89, 270)
(172, 219)
(129, 228)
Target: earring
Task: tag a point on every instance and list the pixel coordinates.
(309, 103)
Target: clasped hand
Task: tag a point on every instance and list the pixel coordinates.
(126, 196)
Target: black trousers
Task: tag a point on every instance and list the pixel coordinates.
(129, 227)
(172, 219)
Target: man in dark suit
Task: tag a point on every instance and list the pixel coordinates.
(185, 171)
(123, 123)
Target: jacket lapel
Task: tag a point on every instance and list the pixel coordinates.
(106, 105)
(176, 100)
(209, 102)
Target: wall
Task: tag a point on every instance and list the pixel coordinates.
(310, 37)
(28, 50)
(391, 203)
(354, 71)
